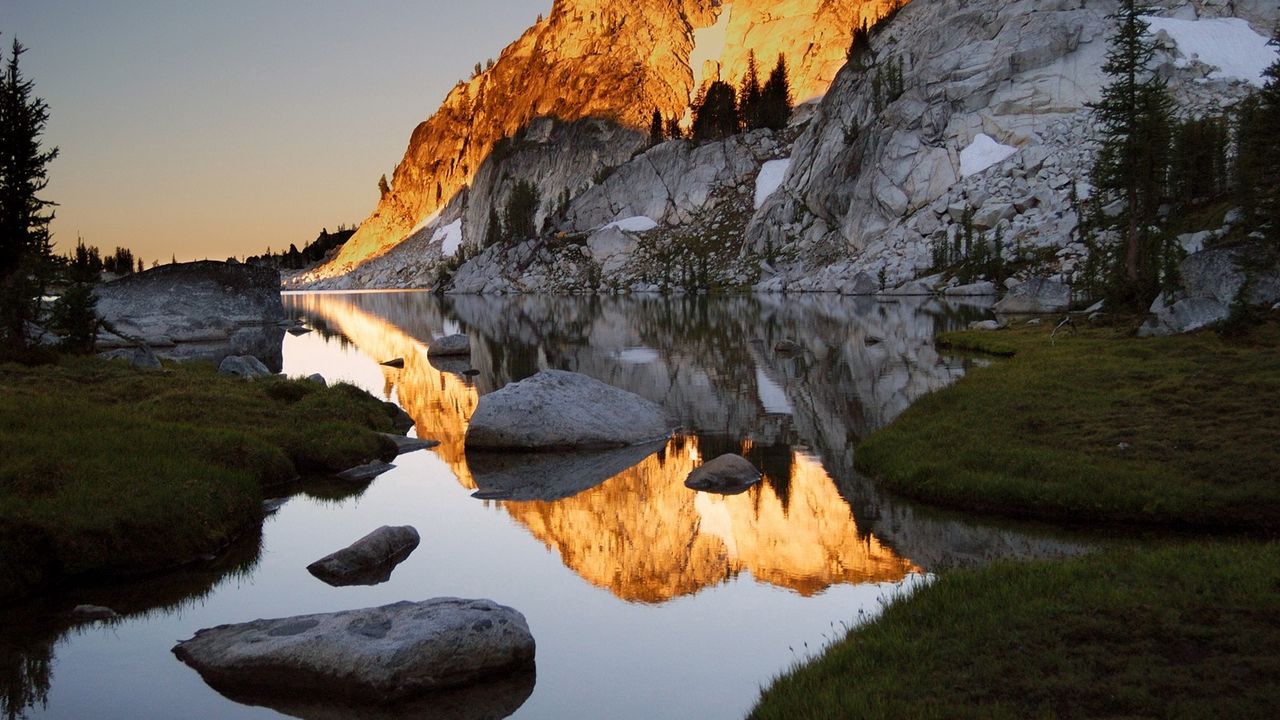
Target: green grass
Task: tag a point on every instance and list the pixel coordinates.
(1097, 427)
(1188, 631)
(107, 470)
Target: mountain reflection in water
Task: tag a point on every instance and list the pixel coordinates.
(639, 532)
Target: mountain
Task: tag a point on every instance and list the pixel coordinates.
(611, 62)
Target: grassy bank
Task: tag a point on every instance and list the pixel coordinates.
(1096, 427)
(1184, 631)
(107, 470)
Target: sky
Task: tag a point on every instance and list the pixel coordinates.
(218, 128)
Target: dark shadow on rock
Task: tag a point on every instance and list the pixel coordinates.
(549, 475)
(487, 700)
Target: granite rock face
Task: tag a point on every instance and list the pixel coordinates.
(558, 410)
(201, 310)
(375, 655)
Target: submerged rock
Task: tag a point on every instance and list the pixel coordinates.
(243, 366)
(558, 410)
(93, 612)
(450, 346)
(375, 655)
(726, 475)
(369, 560)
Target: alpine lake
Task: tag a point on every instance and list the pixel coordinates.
(646, 599)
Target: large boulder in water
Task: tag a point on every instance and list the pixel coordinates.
(558, 410)
(201, 310)
(375, 655)
(369, 560)
(725, 475)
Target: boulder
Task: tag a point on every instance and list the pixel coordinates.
(985, 325)
(1182, 316)
(243, 366)
(369, 560)
(318, 379)
(978, 289)
(787, 346)
(375, 655)
(558, 410)
(141, 357)
(1035, 296)
(450, 346)
(861, 284)
(1216, 274)
(726, 475)
(201, 310)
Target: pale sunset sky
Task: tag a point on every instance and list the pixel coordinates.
(212, 128)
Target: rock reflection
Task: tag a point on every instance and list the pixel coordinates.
(711, 363)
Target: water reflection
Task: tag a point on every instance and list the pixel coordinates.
(625, 522)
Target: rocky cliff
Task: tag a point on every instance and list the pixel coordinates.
(611, 62)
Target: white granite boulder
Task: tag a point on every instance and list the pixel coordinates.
(374, 655)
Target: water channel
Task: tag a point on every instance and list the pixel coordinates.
(647, 600)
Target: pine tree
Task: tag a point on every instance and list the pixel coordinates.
(25, 249)
(1134, 115)
(520, 221)
(1267, 145)
(655, 128)
(775, 98)
(716, 117)
(493, 230)
(750, 95)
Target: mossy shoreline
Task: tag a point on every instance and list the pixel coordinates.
(1091, 428)
(107, 471)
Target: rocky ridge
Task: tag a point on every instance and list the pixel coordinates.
(586, 60)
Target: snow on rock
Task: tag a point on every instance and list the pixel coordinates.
(770, 179)
(982, 153)
(1228, 44)
(449, 237)
(636, 224)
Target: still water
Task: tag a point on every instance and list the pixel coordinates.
(646, 599)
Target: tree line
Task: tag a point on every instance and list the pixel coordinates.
(720, 110)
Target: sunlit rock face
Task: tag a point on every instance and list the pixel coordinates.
(590, 58)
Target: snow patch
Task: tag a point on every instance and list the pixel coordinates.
(1228, 44)
(637, 224)
(449, 237)
(982, 153)
(770, 179)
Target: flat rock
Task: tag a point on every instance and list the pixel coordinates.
(726, 475)
(375, 655)
(243, 366)
(405, 444)
(985, 325)
(364, 473)
(558, 410)
(450, 346)
(369, 560)
(1035, 297)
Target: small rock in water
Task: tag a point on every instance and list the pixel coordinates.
(787, 346)
(394, 363)
(93, 612)
(407, 444)
(449, 345)
(369, 560)
(297, 330)
(363, 473)
(270, 507)
(471, 372)
(726, 475)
